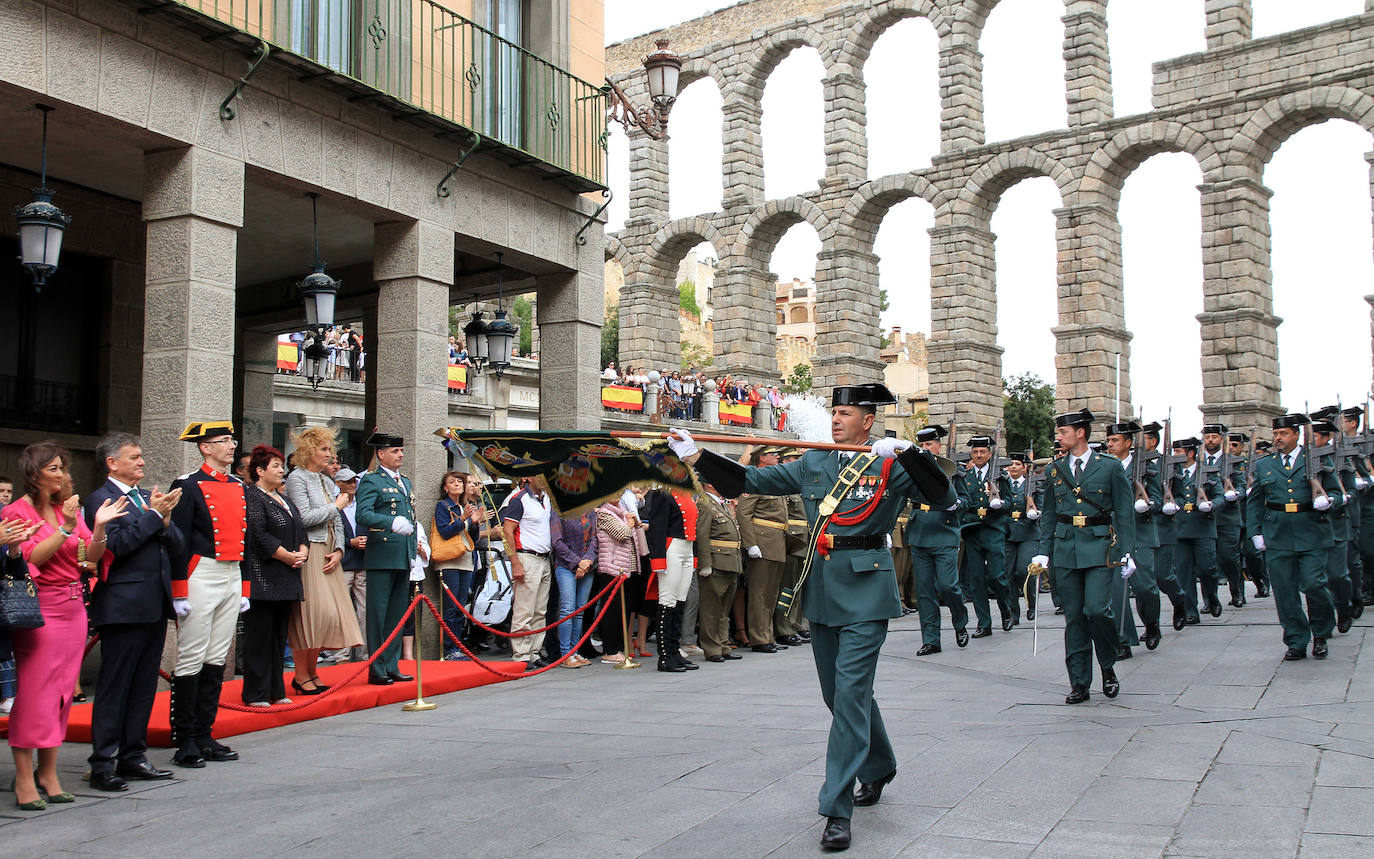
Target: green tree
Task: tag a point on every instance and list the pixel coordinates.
(1028, 408)
(800, 381)
(523, 311)
(696, 356)
(610, 336)
(687, 298)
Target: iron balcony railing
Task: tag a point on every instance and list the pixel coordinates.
(429, 57)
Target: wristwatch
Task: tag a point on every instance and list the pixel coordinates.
(64, 531)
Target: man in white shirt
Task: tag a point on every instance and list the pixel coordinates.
(526, 522)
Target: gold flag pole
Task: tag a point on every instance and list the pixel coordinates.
(419, 704)
(628, 661)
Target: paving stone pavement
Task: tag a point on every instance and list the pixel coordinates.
(1215, 747)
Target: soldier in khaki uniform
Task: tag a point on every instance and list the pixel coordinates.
(718, 569)
(763, 534)
(789, 633)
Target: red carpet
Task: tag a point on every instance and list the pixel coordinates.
(440, 677)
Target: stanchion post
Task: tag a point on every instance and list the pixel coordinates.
(419, 704)
(625, 648)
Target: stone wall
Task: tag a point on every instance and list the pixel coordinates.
(1229, 107)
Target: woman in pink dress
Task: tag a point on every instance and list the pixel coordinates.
(49, 658)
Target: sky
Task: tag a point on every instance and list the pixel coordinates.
(1322, 252)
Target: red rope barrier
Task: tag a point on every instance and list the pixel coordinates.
(590, 601)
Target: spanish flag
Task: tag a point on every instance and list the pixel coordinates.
(457, 377)
(740, 413)
(286, 354)
(622, 397)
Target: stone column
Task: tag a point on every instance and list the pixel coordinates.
(413, 266)
(848, 331)
(846, 120)
(742, 140)
(1240, 363)
(711, 405)
(1087, 67)
(1092, 318)
(571, 312)
(964, 359)
(961, 89)
(745, 321)
(1229, 22)
(193, 206)
(648, 167)
(649, 334)
(258, 361)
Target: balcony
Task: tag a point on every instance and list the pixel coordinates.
(429, 66)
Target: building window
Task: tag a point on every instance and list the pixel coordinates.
(323, 31)
(798, 315)
(503, 82)
(50, 345)
(800, 292)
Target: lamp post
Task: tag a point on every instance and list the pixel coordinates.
(499, 332)
(318, 291)
(41, 224)
(663, 68)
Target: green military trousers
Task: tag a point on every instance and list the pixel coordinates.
(1292, 574)
(1089, 620)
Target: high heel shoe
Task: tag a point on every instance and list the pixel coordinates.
(318, 685)
(304, 691)
(37, 805)
(55, 798)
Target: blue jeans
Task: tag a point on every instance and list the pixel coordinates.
(572, 595)
(460, 582)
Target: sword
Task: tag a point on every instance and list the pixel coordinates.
(1034, 571)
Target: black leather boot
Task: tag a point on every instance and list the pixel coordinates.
(183, 719)
(207, 708)
(668, 659)
(676, 619)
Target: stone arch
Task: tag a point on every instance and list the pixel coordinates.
(863, 35)
(760, 234)
(754, 72)
(798, 314)
(863, 214)
(696, 68)
(1113, 163)
(1279, 119)
(673, 240)
(616, 251)
(985, 187)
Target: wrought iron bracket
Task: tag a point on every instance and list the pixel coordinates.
(581, 239)
(226, 112)
(653, 121)
(441, 190)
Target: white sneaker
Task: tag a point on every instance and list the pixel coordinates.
(5, 706)
(258, 704)
(690, 650)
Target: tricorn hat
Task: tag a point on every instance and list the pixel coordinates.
(862, 395)
(1080, 418)
(1154, 427)
(1127, 428)
(980, 441)
(1238, 436)
(383, 439)
(198, 431)
(1187, 443)
(1291, 421)
(1218, 429)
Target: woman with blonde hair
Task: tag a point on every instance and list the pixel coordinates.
(325, 620)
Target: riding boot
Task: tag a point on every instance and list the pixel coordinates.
(183, 721)
(668, 659)
(676, 620)
(207, 708)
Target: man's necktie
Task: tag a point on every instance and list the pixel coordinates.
(1077, 468)
(1288, 462)
(137, 500)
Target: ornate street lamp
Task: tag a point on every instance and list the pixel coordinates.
(663, 68)
(500, 332)
(318, 291)
(41, 224)
(475, 333)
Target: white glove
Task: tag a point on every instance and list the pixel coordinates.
(1141, 505)
(995, 504)
(403, 526)
(1347, 499)
(680, 443)
(1128, 567)
(1042, 560)
(888, 448)
(754, 552)
(1361, 484)
(1258, 541)
(1169, 508)
(1033, 514)
(244, 605)
(704, 570)
(1232, 495)
(181, 606)
(1321, 502)
(951, 508)
(1205, 506)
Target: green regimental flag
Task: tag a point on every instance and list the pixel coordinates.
(581, 469)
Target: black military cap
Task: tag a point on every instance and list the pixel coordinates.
(1325, 413)
(1095, 446)
(1218, 429)
(1263, 445)
(931, 433)
(198, 431)
(1324, 426)
(1127, 428)
(862, 395)
(1238, 436)
(1020, 457)
(1353, 413)
(1080, 418)
(1187, 443)
(1291, 421)
(382, 439)
(980, 441)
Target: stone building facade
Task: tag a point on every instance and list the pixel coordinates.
(1229, 107)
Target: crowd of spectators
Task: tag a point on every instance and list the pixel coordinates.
(347, 356)
(681, 391)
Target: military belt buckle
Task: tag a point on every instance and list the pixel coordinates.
(1079, 520)
(1290, 507)
(1016, 514)
(1188, 508)
(982, 511)
(925, 508)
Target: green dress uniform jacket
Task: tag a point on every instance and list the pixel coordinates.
(771, 538)
(1190, 522)
(380, 500)
(1022, 529)
(978, 510)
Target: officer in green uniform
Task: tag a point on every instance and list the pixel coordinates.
(1023, 538)
(718, 568)
(985, 535)
(1290, 523)
(850, 591)
(386, 514)
(932, 541)
(1228, 515)
(1362, 546)
(1168, 532)
(1337, 574)
(1087, 525)
(1148, 501)
(1197, 494)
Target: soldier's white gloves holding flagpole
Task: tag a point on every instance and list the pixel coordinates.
(1205, 506)
(680, 443)
(1321, 503)
(995, 504)
(401, 525)
(888, 448)
(1169, 508)
(1258, 541)
(1232, 495)
(1128, 567)
(1141, 505)
(1033, 514)
(754, 552)
(1041, 560)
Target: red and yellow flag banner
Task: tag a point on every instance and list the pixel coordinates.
(622, 397)
(457, 377)
(740, 413)
(286, 354)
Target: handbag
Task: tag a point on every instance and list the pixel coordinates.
(492, 602)
(19, 607)
(451, 548)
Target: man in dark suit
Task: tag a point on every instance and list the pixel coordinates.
(130, 608)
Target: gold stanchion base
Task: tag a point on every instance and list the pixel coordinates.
(418, 704)
(628, 663)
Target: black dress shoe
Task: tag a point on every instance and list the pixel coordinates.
(1343, 625)
(961, 637)
(1059, 610)
(1180, 617)
(981, 633)
(871, 791)
(1261, 591)
(533, 665)
(1007, 623)
(380, 681)
(836, 834)
(108, 781)
(1030, 614)
(218, 752)
(1152, 636)
(791, 640)
(188, 755)
(764, 648)
(1319, 648)
(927, 649)
(666, 665)
(406, 678)
(804, 636)
(715, 658)
(143, 771)
(1077, 695)
(729, 655)
(1240, 601)
(1193, 621)
(1356, 610)
(1293, 654)
(1236, 603)
(1111, 687)
(1123, 652)
(1215, 610)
